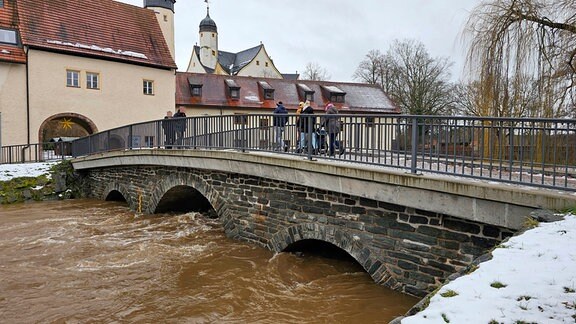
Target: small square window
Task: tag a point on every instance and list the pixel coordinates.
(309, 96)
(213, 53)
(337, 98)
(266, 64)
(196, 91)
(8, 36)
(73, 79)
(240, 119)
(165, 18)
(257, 62)
(268, 94)
(234, 93)
(92, 80)
(148, 87)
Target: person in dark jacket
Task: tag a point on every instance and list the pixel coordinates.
(306, 125)
(331, 122)
(169, 131)
(179, 125)
(279, 121)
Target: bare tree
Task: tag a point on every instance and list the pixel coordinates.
(469, 100)
(370, 69)
(315, 72)
(418, 83)
(524, 44)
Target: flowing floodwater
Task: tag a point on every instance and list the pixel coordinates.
(82, 261)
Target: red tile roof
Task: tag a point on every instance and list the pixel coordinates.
(360, 98)
(98, 28)
(9, 20)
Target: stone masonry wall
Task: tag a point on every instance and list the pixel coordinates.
(407, 249)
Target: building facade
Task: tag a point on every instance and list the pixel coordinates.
(70, 68)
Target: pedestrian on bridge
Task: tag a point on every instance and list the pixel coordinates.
(331, 122)
(169, 131)
(279, 121)
(179, 126)
(307, 127)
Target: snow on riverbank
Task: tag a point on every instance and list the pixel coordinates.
(531, 279)
(10, 171)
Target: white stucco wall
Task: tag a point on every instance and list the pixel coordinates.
(12, 103)
(167, 26)
(119, 101)
(209, 49)
(258, 68)
(194, 65)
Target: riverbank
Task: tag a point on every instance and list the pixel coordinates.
(35, 181)
(531, 278)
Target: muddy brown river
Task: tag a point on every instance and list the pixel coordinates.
(89, 261)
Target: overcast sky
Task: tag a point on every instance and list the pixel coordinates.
(336, 34)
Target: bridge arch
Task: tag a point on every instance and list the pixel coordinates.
(351, 243)
(180, 186)
(113, 190)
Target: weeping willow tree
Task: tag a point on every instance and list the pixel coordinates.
(524, 44)
(523, 56)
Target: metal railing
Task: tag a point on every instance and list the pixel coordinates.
(43, 152)
(534, 152)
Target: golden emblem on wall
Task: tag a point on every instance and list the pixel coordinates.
(66, 123)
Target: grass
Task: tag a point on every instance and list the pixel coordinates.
(497, 285)
(449, 293)
(531, 222)
(445, 318)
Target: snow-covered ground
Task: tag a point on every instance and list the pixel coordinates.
(9, 171)
(530, 279)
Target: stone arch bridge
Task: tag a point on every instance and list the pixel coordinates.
(409, 232)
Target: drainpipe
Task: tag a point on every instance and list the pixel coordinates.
(26, 50)
(23, 156)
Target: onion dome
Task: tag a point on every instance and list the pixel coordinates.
(207, 24)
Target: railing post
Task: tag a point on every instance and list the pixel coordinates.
(243, 136)
(414, 161)
(159, 140)
(309, 128)
(131, 139)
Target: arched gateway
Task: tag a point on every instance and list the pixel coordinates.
(65, 125)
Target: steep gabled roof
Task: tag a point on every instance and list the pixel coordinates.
(359, 98)
(234, 62)
(103, 29)
(9, 20)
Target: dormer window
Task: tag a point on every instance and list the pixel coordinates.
(335, 94)
(196, 90)
(305, 92)
(268, 91)
(233, 89)
(8, 36)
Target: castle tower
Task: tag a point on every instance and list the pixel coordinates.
(208, 41)
(164, 10)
